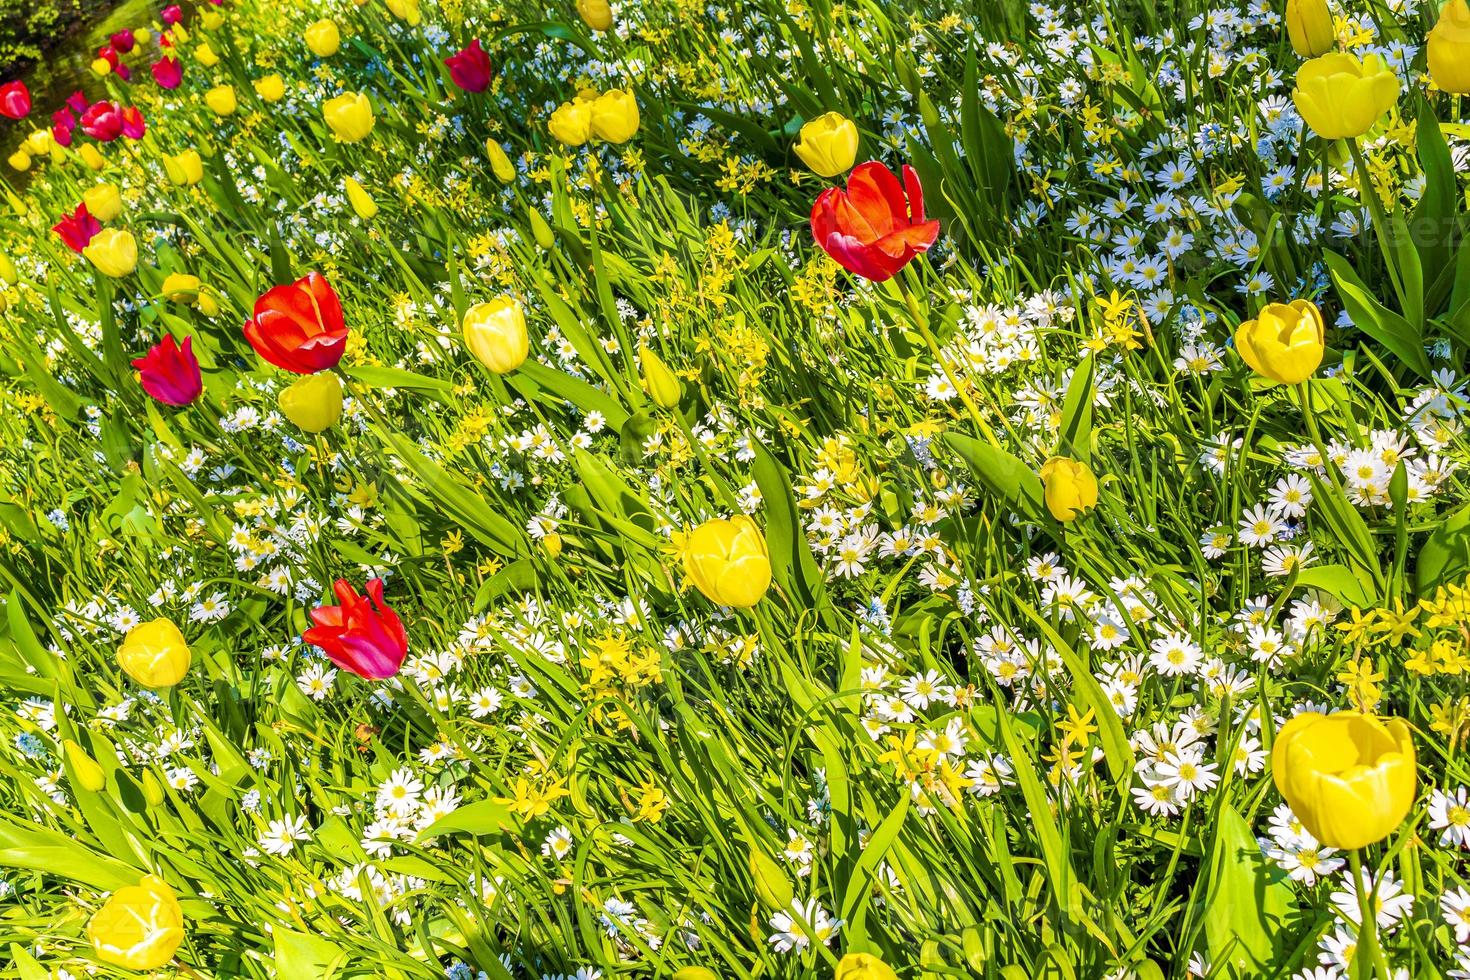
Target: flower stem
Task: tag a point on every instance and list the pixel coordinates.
(921, 321)
(1367, 945)
(1380, 221)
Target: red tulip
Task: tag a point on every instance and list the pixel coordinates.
(367, 639)
(133, 124)
(170, 373)
(123, 41)
(77, 229)
(167, 72)
(15, 100)
(171, 15)
(869, 228)
(299, 327)
(62, 126)
(107, 54)
(470, 69)
(103, 121)
(77, 102)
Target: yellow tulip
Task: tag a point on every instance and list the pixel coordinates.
(206, 303)
(1284, 343)
(92, 157)
(500, 164)
(1309, 26)
(88, 774)
(154, 654)
(153, 793)
(139, 927)
(205, 55)
(180, 35)
(211, 20)
(863, 966)
(541, 231)
(184, 169)
(1341, 97)
(615, 116)
(101, 67)
(571, 123)
(313, 403)
(323, 38)
(1071, 489)
(180, 287)
(828, 144)
(271, 88)
(103, 201)
(19, 160)
(142, 35)
(39, 142)
(221, 99)
(495, 333)
(113, 251)
(8, 275)
(660, 383)
(362, 202)
(405, 10)
(1348, 777)
(596, 14)
(1449, 48)
(349, 116)
(727, 560)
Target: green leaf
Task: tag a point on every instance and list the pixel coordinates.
(300, 956)
(1003, 475)
(1445, 555)
(1247, 901)
(1375, 319)
(481, 818)
(792, 566)
(1075, 438)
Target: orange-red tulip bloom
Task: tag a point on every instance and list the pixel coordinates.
(876, 226)
(299, 327)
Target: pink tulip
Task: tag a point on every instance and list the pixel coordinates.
(15, 100)
(470, 69)
(170, 373)
(167, 72)
(133, 124)
(103, 121)
(367, 639)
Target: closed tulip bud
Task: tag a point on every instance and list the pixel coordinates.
(103, 201)
(154, 654)
(615, 116)
(362, 202)
(139, 926)
(101, 67)
(271, 88)
(728, 562)
(205, 55)
(553, 544)
(211, 20)
(142, 35)
(180, 287)
(87, 773)
(571, 123)
(495, 333)
(1348, 777)
(8, 275)
(92, 157)
(541, 231)
(596, 14)
(153, 793)
(1449, 48)
(660, 383)
(313, 403)
(184, 169)
(19, 160)
(500, 164)
(1071, 489)
(1341, 97)
(113, 251)
(405, 10)
(863, 966)
(1310, 28)
(207, 304)
(323, 38)
(221, 99)
(772, 886)
(1284, 343)
(349, 116)
(179, 34)
(828, 144)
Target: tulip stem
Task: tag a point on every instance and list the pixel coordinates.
(1380, 221)
(921, 320)
(1367, 944)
